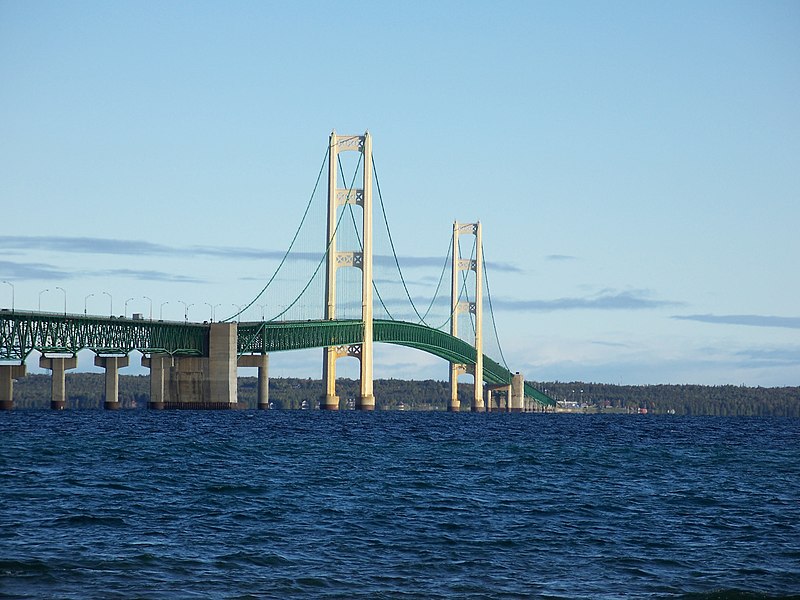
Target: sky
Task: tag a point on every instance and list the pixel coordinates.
(635, 167)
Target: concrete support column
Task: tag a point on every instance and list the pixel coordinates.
(8, 373)
(58, 396)
(262, 362)
(455, 370)
(222, 350)
(159, 365)
(517, 402)
(112, 365)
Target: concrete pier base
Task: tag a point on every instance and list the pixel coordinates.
(329, 402)
(159, 365)
(517, 400)
(112, 365)
(262, 362)
(478, 406)
(8, 373)
(365, 403)
(454, 405)
(59, 366)
(197, 382)
(222, 376)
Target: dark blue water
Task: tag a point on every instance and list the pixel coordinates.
(138, 504)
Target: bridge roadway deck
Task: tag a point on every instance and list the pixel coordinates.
(22, 332)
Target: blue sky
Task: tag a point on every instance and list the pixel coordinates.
(635, 166)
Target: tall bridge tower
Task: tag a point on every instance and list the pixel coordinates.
(361, 259)
(465, 306)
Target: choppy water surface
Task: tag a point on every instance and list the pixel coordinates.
(397, 505)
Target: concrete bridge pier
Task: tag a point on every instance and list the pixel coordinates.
(365, 402)
(517, 400)
(222, 341)
(159, 365)
(8, 373)
(454, 405)
(112, 365)
(501, 393)
(58, 365)
(477, 399)
(262, 362)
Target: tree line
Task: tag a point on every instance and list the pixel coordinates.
(86, 390)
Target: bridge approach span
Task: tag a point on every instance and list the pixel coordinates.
(22, 332)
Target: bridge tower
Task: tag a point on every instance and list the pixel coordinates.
(361, 259)
(475, 307)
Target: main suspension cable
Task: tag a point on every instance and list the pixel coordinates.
(324, 256)
(358, 237)
(491, 312)
(291, 244)
(391, 243)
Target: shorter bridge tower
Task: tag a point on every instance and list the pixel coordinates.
(474, 307)
(359, 258)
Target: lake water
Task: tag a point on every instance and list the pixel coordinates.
(307, 504)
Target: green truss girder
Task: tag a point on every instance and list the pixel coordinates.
(23, 332)
(260, 338)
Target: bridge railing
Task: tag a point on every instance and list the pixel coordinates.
(22, 332)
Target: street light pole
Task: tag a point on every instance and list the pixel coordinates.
(213, 306)
(40, 298)
(85, 301)
(12, 294)
(239, 313)
(110, 304)
(65, 299)
(151, 306)
(185, 310)
(161, 311)
(125, 310)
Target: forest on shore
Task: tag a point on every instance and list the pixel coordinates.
(85, 391)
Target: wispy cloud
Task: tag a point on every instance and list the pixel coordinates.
(605, 300)
(772, 356)
(25, 271)
(41, 271)
(560, 257)
(750, 320)
(144, 275)
(91, 245)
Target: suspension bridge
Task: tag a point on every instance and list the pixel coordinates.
(194, 365)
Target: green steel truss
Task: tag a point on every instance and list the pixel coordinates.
(262, 338)
(23, 332)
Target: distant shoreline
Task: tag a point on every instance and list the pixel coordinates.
(85, 390)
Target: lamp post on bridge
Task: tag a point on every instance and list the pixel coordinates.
(161, 311)
(262, 307)
(151, 306)
(40, 298)
(125, 310)
(186, 310)
(238, 313)
(85, 302)
(12, 294)
(213, 306)
(65, 298)
(110, 304)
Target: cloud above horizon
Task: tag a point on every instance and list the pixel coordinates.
(749, 320)
(560, 257)
(91, 245)
(604, 300)
(41, 271)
